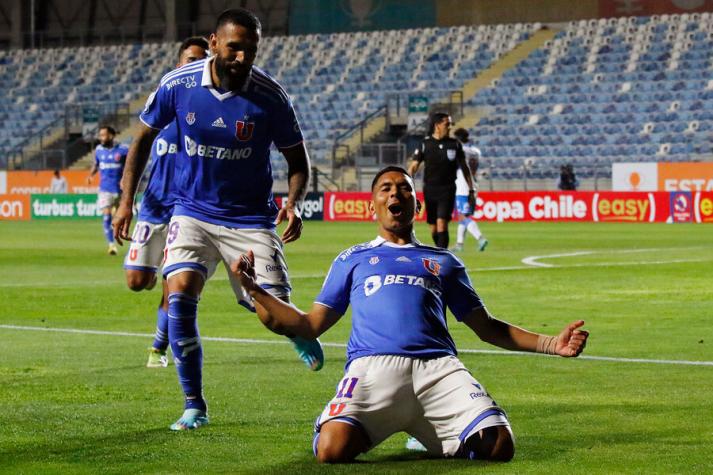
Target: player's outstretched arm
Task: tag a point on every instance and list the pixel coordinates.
(135, 163)
(298, 170)
(569, 343)
(281, 317)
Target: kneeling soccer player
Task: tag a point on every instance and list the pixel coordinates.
(402, 372)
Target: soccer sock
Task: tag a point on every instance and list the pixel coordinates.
(442, 239)
(108, 232)
(186, 347)
(460, 233)
(434, 236)
(160, 341)
(474, 229)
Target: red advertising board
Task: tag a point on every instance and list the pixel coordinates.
(703, 207)
(617, 8)
(353, 206)
(584, 206)
(605, 206)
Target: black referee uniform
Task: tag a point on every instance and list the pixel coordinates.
(442, 159)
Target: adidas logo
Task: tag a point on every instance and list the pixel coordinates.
(403, 259)
(219, 123)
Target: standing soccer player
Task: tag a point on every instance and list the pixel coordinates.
(145, 254)
(228, 112)
(402, 373)
(466, 222)
(109, 160)
(443, 155)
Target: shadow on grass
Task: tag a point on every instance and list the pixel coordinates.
(403, 462)
(85, 448)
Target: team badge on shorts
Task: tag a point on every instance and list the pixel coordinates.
(431, 266)
(191, 118)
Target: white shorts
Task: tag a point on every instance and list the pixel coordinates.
(107, 200)
(194, 245)
(437, 401)
(463, 206)
(146, 252)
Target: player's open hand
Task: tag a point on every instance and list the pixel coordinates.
(571, 341)
(244, 269)
(293, 231)
(122, 223)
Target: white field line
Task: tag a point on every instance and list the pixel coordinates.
(531, 266)
(534, 260)
(252, 341)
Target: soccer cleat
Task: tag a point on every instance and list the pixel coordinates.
(112, 251)
(157, 358)
(482, 243)
(413, 444)
(457, 248)
(310, 352)
(191, 419)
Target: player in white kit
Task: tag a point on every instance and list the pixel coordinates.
(466, 222)
(402, 371)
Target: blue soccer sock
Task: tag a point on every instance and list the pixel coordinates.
(160, 341)
(108, 232)
(186, 347)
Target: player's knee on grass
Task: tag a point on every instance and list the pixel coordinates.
(139, 280)
(492, 443)
(339, 442)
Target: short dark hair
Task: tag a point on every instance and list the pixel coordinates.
(239, 16)
(462, 135)
(390, 168)
(108, 128)
(192, 41)
(436, 118)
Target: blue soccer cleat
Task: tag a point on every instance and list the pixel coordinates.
(191, 419)
(310, 352)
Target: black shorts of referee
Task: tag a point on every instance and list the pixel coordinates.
(440, 201)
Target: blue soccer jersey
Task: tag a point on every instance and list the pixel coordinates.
(399, 296)
(224, 175)
(110, 162)
(157, 203)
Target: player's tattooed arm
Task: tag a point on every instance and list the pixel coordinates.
(278, 316)
(570, 341)
(135, 163)
(298, 171)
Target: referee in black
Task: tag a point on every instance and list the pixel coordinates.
(442, 155)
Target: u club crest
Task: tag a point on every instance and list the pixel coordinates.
(432, 266)
(244, 130)
(191, 118)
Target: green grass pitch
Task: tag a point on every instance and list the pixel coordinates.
(85, 403)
